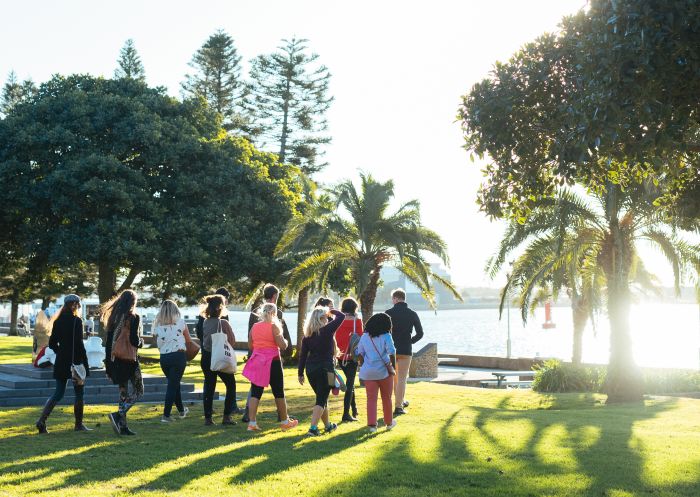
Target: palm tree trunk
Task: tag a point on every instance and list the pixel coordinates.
(369, 294)
(303, 304)
(580, 317)
(623, 382)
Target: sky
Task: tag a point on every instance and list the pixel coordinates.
(398, 70)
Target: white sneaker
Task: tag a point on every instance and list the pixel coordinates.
(166, 419)
(184, 413)
(373, 429)
(393, 423)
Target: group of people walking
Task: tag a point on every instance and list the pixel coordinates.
(379, 352)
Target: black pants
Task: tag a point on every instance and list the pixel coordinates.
(276, 382)
(350, 370)
(210, 387)
(318, 379)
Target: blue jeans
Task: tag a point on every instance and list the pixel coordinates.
(173, 366)
(61, 391)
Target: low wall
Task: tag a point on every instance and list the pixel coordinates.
(425, 362)
(486, 362)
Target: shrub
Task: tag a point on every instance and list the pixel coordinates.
(671, 381)
(554, 376)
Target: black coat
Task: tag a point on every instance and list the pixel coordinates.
(122, 371)
(404, 321)
(67, 341)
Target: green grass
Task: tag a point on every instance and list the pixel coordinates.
(454, 441)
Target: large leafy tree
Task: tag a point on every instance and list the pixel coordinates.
(608, 102)
(289, 100)
(217, 78)
(611, 97)
(123, 177)
(129, 63)
(360, 233)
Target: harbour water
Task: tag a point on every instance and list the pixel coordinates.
(664, 335)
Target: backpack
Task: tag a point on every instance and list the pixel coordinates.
(353, 342)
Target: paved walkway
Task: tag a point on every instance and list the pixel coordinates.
(455, 373)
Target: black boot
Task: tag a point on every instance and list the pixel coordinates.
(245, 417)
(115, 420)
(78, 413)
(41, 422)
(124, 429)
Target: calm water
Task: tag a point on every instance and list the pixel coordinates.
(664, 335)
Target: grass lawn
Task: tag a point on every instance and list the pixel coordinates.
(455, 441)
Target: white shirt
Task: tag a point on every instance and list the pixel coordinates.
(170, 337)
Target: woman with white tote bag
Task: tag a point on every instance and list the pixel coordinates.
(218, 357)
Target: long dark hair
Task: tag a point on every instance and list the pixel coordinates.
(118, 307)
(67, 310)
(323, 302)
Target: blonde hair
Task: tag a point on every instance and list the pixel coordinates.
(169, 313)
(313, 322)
(268, 314)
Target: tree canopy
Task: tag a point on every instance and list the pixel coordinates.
(611, 97)
(129, 63)
(119, 175)
(288, 102)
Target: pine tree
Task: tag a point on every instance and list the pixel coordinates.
(129, 63)
(289, 99)
(15, 92)
(217, 78)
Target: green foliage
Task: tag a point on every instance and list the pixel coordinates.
(288, 102)
(15, 92)
(664, 381)
(558, 377)
(118, 175)
(129, 63)
(611, 97)
(353, 232)
(217, 79)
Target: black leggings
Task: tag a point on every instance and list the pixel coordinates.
(350, 370)
(276, 382)
(318, 380)
(61, 391)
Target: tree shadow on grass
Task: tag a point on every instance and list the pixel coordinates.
(578, 452)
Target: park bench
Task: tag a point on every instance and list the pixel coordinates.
(502, 375)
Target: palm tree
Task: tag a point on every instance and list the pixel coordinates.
(590, 249)
(355, 230)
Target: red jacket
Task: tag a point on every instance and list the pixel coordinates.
(342, 336)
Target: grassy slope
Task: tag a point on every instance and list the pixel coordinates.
(455, 441)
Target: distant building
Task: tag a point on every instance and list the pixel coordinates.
(392, 278)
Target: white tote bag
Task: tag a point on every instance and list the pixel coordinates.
(223, 357)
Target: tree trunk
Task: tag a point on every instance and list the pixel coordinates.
(624, 381)
(106, 282)
(580, 314)
(45, 302)
(14, 310)
(126, 284)
(302, 305)
(369, 294)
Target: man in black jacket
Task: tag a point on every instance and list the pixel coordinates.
(404, 321)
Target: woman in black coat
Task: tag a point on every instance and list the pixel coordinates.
(119, 316)
(67, 342)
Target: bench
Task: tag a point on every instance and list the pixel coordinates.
(502, 375)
